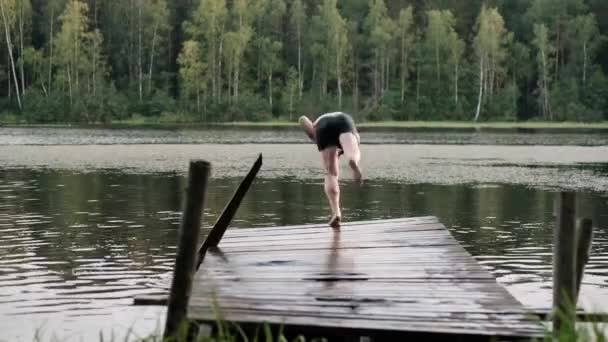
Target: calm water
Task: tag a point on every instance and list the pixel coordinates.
(90, 220)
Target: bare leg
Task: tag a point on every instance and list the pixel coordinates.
(350, 146)
(332, 188)
(308, 127)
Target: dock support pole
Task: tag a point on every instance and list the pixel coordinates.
(564, 272)
(185, 261)
(583, 248)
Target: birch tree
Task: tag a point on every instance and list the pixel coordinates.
(440, 27)
(237, 42)
(337, 41)
(379, 28)
(53, 9)
(8, 10)
(490, 46)
(406, 41)
(270, 62)
(543, 50)
(191, 71)
(159, 18)
(208, 26)
(583, 33)
(456, 47)
(291, 87)
(298, 22)
(78, 47)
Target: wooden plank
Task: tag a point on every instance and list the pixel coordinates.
(419, 253)
(317, 259)
(317, 228)
(336, 267)
(581, 316)
(405, 313)
(370, 306)
(371, 288)
(423, 230)
(508, 326)
(447, 245)
(362, 241)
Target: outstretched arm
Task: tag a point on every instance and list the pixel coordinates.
(308, 127)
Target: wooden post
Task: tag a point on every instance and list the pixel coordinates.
(583, 246)
(564, 273)
(185, 260)
(220, 226)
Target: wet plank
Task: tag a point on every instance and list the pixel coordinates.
(399, 276)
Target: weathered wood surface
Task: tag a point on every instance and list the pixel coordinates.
(397, 276)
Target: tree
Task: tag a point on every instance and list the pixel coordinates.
(337, 41)
(320, 64)
(8, 12)
(270, 61)
(379, 28)
(79, 51)
(24, 22)
(34, 62)
(298, 22)
(208, 26)
(405, 59)
(291, 86)
(544, 49)
(160, 30)
(440, 25)
(406, 41)
(519, 69)
(236, 44)
(490, 42)
(53, 8)
(585, 39)
(456, 47)
(555, 14)
(191, 71)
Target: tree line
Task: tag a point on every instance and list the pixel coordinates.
(226, 60)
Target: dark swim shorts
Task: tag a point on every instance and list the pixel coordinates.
(330, 126)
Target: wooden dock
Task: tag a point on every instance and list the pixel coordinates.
(389, 278)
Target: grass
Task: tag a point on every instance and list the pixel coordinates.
(226, 331)
(572, 330)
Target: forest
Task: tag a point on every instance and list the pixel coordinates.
(102, 61)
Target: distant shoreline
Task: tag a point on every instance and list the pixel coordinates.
(287, 124)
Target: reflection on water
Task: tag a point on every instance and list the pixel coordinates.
(76, 247)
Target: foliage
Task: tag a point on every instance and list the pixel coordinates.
(218, 60)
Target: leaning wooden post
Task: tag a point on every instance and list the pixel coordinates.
(564, 272)
(220, 226)
(583, 246)
(185, 260)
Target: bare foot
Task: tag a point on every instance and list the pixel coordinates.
(357, 175)
(334, 222)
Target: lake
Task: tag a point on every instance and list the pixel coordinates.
(89, 217)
